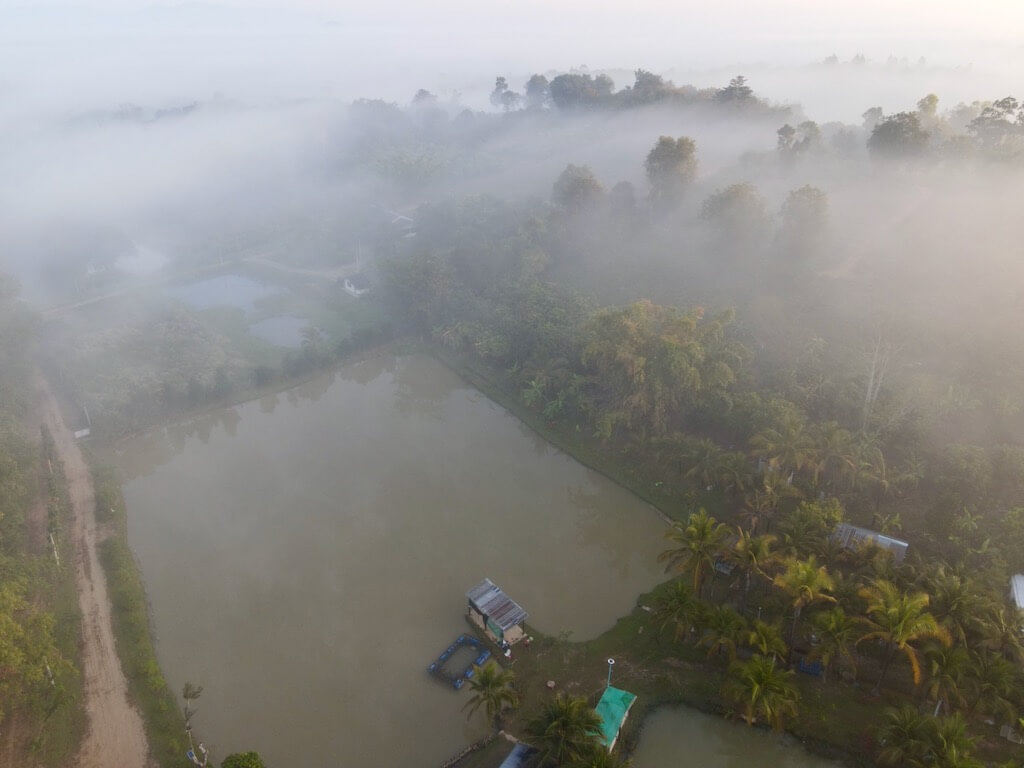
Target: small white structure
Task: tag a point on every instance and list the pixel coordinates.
(1017, 590)
(356, 285)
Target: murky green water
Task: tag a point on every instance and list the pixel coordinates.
(306, 557)
(678, 737)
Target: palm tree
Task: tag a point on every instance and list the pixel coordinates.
(1002, 631)
(951, 746)
(565, 730)
(775, 489)
(805, 582)
(788, 447)
(898, 619)
(990, 681)
(835, 453)
(704, 457)
(750, 554)
(699, 541)
(766, 639)
(955, 603)
(869, 467)
(734, 472)
(904, 738)
(677, 608)
(492, 689)
(945, 668)
(763, 690)
(837, 634)
(724, 631)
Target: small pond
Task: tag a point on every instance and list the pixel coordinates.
(222, 291)
(680, 736)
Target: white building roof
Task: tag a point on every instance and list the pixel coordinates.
(1017, 590)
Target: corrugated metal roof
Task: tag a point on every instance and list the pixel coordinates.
(852, 536)
(489, 600)
(1017, 589)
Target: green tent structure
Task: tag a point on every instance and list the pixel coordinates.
(613, 709)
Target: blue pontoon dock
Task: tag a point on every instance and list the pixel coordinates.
(456, 663)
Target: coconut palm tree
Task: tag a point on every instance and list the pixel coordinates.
(945, 668)
(704, 457)
(678, 608)
(834, 449)
(724, 631)
(763, 691)
(492, 689)
(1002, 631)
(699, 542)
(788, 447)
(951, 746)
(775, 488)
(904, 738)
(805, 582)
(955, 602)
(751, 555)
(990, 682)
(735, 474)
(837, 634)
(898, 619)
(565, 729)
(766, 639)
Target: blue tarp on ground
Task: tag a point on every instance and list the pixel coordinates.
(519, 756)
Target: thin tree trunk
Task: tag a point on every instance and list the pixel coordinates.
(885, 668)
(746, 594)
(792, 634)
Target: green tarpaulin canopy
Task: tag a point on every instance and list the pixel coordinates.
(613, 709)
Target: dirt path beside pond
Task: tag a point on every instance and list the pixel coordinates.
(115, 737)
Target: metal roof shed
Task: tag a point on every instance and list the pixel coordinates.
(493, 604)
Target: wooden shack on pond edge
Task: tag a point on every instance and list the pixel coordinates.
(499, 616)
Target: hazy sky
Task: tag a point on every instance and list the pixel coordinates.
(130, 51)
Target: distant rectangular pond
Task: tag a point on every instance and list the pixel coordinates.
(307, 555)
(222, 291)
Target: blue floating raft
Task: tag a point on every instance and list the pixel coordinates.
(458, 677)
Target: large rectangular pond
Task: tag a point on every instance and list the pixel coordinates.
(306, 556)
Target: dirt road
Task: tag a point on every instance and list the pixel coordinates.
(115, 736)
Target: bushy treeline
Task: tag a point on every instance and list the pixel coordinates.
(161, 364)
(37, 643)
(576, 90)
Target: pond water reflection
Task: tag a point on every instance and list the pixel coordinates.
(680, 736)
(306, 556)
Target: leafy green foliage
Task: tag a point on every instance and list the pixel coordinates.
(564, 730)
(243, 760)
